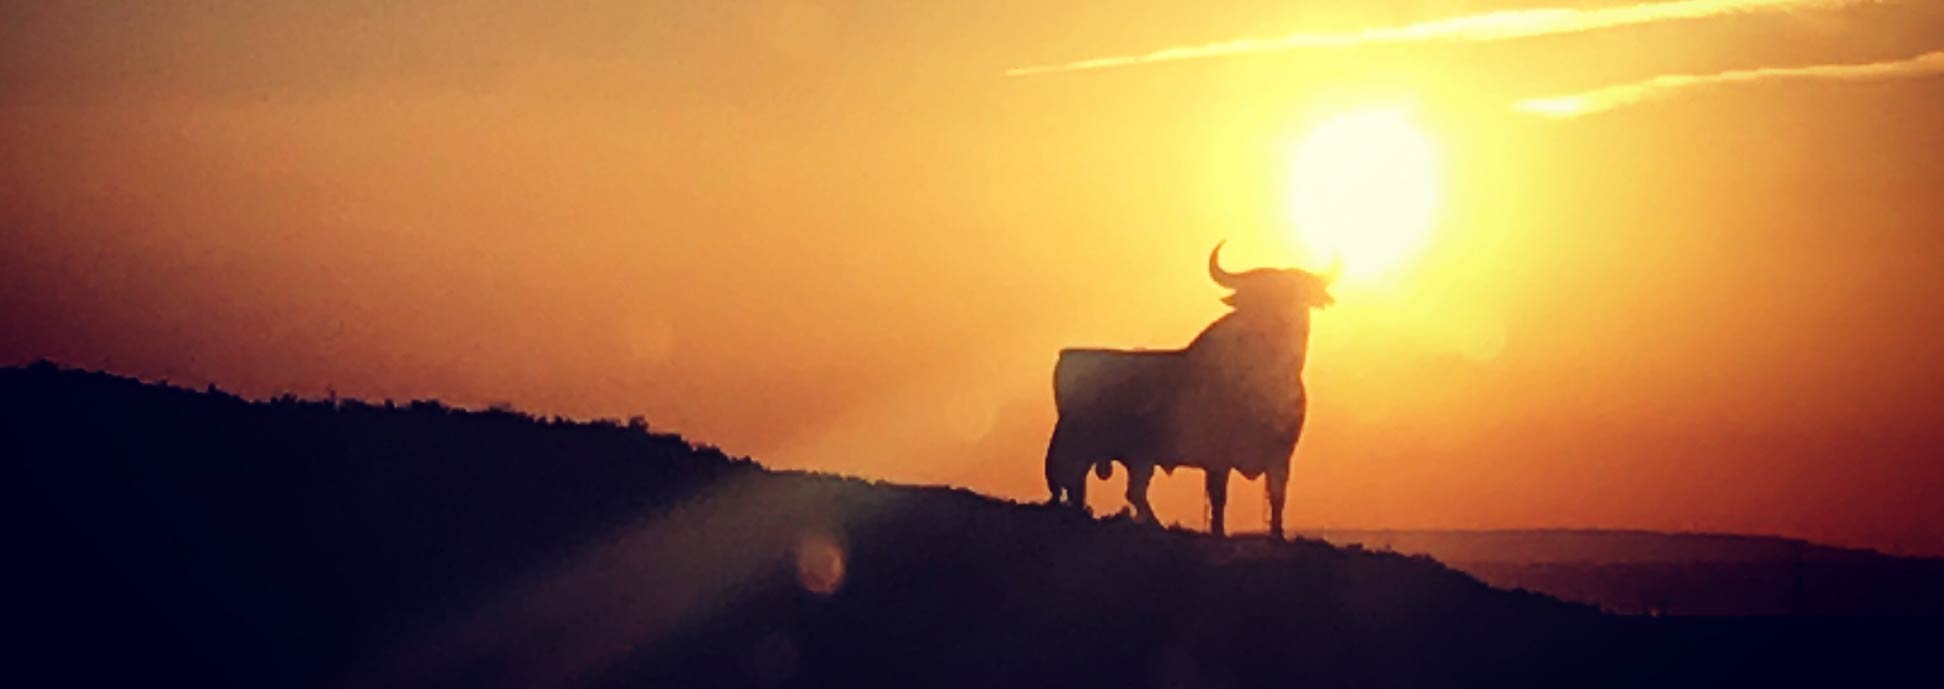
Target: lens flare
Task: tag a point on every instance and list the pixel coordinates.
(820, 564)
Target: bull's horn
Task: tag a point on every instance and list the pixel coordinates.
(1221, 277)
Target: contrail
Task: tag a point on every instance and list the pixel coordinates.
(1488, 26)
(1608, 98)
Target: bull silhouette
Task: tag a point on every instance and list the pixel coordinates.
(1233, 399)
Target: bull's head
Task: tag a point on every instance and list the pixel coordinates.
(1264, 289)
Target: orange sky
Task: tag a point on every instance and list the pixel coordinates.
(835, 235)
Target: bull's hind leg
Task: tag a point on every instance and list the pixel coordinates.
(1066, 478)
(1058, 487)
(1070, 490)
(1138, 477)
(1217, 480)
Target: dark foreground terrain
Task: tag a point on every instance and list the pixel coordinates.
(162, 535)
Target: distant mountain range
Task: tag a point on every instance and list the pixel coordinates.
(1589, 546)
(1643, 572)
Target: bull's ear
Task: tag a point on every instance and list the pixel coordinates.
(1230, 299)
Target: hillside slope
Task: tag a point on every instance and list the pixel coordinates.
(177, 534)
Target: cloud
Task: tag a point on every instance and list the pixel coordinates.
(1665, 85)
(1488, 26)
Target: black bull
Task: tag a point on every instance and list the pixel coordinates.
(1231, 400)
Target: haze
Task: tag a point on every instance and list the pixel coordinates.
(837, 236)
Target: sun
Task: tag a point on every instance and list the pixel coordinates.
(1364, 189)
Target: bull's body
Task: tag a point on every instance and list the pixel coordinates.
(1232, 400)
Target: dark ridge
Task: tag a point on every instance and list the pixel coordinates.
(198, 538)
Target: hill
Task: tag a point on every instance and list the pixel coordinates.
(164, 533)
(1640, 572)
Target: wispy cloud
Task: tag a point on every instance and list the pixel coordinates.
(1489, 26)
(1665, 85)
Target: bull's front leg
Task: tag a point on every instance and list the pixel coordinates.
(1217, 500)
(1138, 476)
(1277, 483)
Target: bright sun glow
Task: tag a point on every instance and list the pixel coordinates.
(1363, 188)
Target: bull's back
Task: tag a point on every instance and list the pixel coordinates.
(1094, 382)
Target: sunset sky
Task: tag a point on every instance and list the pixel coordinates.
(1676, 265)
